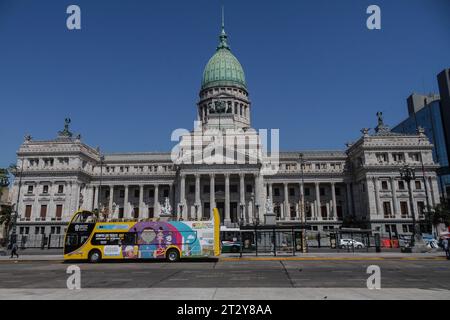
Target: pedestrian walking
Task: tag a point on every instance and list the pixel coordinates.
(14, 249)
(446, 248)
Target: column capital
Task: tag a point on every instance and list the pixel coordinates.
(227, 175)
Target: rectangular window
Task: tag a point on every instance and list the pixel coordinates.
(291, 192)
(136, 193)
(45, 189)
(192, 189)
(398, 157)
(59, 209)
(382, 157)
(276, 192)
(28, 210)
(384, 185)
(151, 212)
(323, 211)
(401, 185)
(151, 193)
(122, 194)
(249, 188)
(60, 188)
(43, 211)
(233, 188)
(404, 209)
(166, 193)
(30, 189)
(418, 185)
(322, 191)
(205, 189)
(414, 157)
(421, 207)
(387, 209)
(405, 228)
(307, 192)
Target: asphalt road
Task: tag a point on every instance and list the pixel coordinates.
(420, 274)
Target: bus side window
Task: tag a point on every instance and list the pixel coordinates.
(129, 238)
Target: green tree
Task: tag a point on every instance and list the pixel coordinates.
(4, 180)
(440, 214)
(5, 219)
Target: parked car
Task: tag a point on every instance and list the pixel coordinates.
(346, 243)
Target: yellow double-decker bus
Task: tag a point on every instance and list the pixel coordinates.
(92, 240)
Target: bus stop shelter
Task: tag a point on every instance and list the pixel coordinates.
(273, 240)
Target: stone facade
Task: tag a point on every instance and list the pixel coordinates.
(63, 175)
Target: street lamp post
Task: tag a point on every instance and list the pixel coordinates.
(408, 174)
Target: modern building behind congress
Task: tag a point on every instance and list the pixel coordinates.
(432, 112)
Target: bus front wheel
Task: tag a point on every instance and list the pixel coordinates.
(172, 255)
(95, 256)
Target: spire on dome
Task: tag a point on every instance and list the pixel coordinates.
(223, 35)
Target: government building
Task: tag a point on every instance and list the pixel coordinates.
(247, 183)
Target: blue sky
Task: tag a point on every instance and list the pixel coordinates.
(132, 74)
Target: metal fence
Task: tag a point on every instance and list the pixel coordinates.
(42, 241)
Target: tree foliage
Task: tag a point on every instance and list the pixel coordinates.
(440, 214)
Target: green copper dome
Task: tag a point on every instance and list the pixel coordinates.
(223, 69)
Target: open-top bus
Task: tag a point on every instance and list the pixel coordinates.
(89, 239)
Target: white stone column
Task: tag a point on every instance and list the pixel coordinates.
(286, 202)
(333, 200)
(183, 196)
(212, 193)
(301, 206)
(156, 210)
(227, 198)
(377, 195)
(242, 195)
(394, 198)
(318, 209)
(141, 201)
(126, 205)
(430, 191)
(76, 195)
(96, 197)
(198, 202)
(435, 190)
(271, 191)
(111, 201)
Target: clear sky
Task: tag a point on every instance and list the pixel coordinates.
(132, 74)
